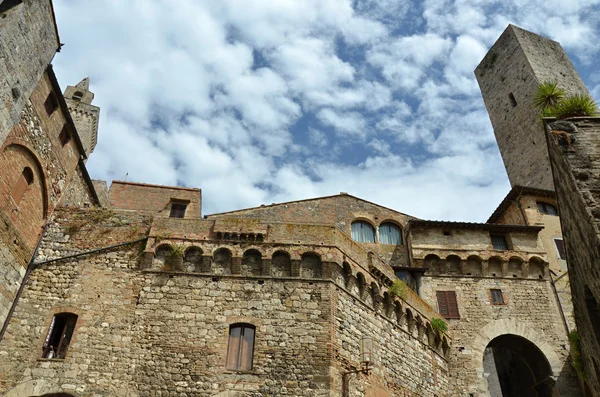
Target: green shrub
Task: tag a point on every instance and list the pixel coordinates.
(575, 352)
(398, 289)
(548, 95)
(574, 106)
(439, 325)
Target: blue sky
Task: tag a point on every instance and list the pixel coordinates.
(262, 101)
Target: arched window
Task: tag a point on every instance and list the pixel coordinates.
(546, 209)
(240, 349)
(389, 233)
(59, 335)
(25, 180)
(363, 232)
(77, 95)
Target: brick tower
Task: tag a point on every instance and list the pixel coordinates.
(508, 77)
(85, 115)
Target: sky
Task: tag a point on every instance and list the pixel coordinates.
(265, 101)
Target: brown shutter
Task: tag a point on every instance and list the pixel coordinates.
(51, 103)
(442, 304)
(247, 349)
(234, 348)
(19, 189)
(452, 304)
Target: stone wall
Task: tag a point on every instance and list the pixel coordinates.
(77, 193)
(508, 77)
(147, 331)
(531, 311)
(28, 42)
(339, 211)
(575, 155)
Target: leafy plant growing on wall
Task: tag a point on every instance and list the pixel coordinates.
(439, 325)
(575, 352)
(552, 101)
(398, 289)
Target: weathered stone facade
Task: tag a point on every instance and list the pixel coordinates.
(574, 164)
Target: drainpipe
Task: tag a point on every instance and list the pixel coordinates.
(32, 265)
(560, 308)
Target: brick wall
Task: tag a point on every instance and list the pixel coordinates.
(154, 198)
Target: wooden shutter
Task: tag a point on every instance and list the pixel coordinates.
(447, 304)
(64, 137)
(51, 103)
(247, 349)
(233, 349)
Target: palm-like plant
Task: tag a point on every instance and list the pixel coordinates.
(548, 95)
(575, 106)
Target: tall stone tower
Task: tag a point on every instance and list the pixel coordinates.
(508, 77)
(85, 115)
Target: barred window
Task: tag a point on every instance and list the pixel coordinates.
(499, 242)
(497, 297)
(178, 210)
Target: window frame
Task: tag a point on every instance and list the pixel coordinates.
(449, 309)
(66, 333)
(234, 360)
(394, 225)
(363, 222)
(561, 253)
(543, 206)
(504, 237)
(51, 103)
(495, 302)
(175, 212)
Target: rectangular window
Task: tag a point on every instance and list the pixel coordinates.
(65, 136)
(499, 242)
(546, 209)
(497, 298)
(560, 248)
(51, 103)
(240, 349)
(178, 210)
(59, 335)
(447, 304)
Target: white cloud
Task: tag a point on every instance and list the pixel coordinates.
(261, 101)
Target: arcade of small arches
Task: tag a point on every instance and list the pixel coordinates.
(364, 286)
(494, 266)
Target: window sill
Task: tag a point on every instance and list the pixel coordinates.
(59, 360)
(240, 372)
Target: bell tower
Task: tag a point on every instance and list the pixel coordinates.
(85, 115)
(508, 77)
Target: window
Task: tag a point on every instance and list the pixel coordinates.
(547, 209)
(51, 103)
(560, 248)
(65, 136)
(178, 210)
(497, 297)
(25, 180)
(447, 305)
(411, 279)
(512, 99)
(363, 232)
(389, 233)
(59, 335)
(77, 96)
(240, 349)
(499, 242)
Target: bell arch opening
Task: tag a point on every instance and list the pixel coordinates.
(516, 367)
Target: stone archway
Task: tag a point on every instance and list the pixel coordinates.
(513, 327)
(515, 367)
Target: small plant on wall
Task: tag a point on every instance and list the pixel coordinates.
(576, 359)
(439, 326)
(398, 289)
(552, 101)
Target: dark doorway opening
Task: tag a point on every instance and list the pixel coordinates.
(516, 367)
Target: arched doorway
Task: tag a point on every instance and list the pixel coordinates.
(516, 367)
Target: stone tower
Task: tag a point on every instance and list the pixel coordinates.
(85, 115)
(508, 77)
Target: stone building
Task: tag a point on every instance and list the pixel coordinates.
(131, 291)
